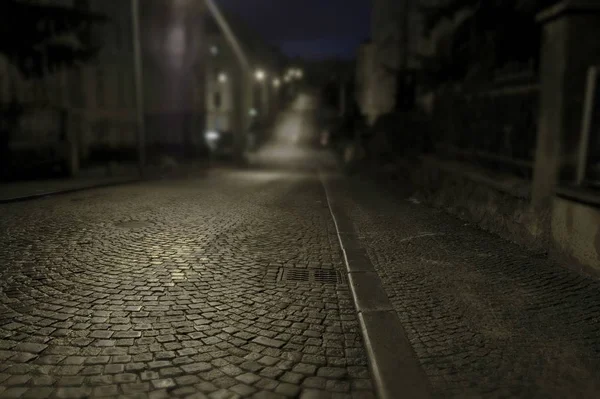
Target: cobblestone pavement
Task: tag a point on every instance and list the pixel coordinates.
(172, 289)
(485, 317)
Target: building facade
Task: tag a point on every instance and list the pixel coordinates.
(174, 48)
(192, 83)
(397, 44)
(96, 99)
(102, 108)
(225, 76)
(365, 85)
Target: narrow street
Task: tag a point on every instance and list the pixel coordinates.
(176, 288)
(233, 284)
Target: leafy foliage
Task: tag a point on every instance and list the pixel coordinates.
(496, 32)
(40, 38)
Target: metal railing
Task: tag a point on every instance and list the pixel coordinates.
(495, 128)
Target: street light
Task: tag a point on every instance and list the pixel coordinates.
(276, 83)
(222, 77)
(260, 75)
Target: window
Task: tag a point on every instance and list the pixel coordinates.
(127, 36)
(100, 89)
(122, 88)
(3, 87)
(118, 36)
(76, 84)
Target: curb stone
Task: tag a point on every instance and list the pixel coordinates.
(70, 190)
(394, 366)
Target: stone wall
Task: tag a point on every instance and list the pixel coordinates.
(576, 231)
(497, 203)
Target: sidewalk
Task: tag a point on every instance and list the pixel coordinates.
(91, 178)
(485, 317)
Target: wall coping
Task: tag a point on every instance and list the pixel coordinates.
(580, 195)
(513, 186)
(568, 6)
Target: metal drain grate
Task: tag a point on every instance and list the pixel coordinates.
(326, 276)
(301, 275)
(315, 276)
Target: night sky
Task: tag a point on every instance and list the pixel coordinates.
(311, 29)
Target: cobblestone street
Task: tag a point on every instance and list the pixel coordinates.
(170, 289)
(232, 284)
(183, 288)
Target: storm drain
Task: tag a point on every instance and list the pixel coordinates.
(311, 276)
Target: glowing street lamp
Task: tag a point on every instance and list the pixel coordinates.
(260, 75)
(222, 77)
(276, 83)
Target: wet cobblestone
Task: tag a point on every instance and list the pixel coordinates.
(485, 317)
(159, 290)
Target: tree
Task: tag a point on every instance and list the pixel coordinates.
(494, 33)
(37, 40)
(41, 38)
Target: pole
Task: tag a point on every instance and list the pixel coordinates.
(403, 57)
(588, 110)
(139, 88)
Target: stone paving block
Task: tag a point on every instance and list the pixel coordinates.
(30, 347)
(73, 392)
(14, 392)
(107, 390)
(38, 393)
(315, 394)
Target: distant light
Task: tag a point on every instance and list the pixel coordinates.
(177, 41)
(214, 50)
(276, 82)
(212, 135)
(222, 77)
(260, 75)
(287, 78)
(299, 73)
(253, 112)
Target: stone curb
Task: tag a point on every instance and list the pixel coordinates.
(395, 369)
(69, 190)
(115, 182)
